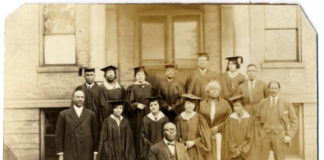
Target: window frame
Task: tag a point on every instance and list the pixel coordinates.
(170, 14)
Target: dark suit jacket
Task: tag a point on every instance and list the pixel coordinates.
(259, 92)
(77, 137)
(288, 119)
(160, 151)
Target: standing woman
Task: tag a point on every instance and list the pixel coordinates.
(215, 110)
(116, 141)
(137, 94)
(152, 128)
(231, 80)
(193, 129)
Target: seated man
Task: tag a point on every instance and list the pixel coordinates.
(168, 148)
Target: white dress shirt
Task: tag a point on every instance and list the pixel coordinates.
(251, 85)
(273, 100)
(202, 72)
(213, 109)
(171, 147)
(118, 120)
(78, 110)
(89, 85)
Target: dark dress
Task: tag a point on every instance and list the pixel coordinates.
(171, 92)
(110, 94)
(196, 82)
(92, 100)
(152, 132)
(238, 135)
(76, 137)
(195, 129)
(231, 85)
(137, 93)
(116, 142)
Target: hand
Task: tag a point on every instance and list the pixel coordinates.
(61, 157)
(140, 106)
(189, 144)
(169, 108)
(214, 130)
(287, 139)
(95, 156)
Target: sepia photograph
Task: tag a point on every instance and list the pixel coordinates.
(199, 81)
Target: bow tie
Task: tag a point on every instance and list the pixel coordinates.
(170, 143)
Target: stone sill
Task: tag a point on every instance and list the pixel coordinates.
(282, 65)
(57, 69)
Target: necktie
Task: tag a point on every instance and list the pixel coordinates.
(250, 90)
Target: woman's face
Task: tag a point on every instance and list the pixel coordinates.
(232, 66)
(117, 111)
(238, 108)
(214, 92)
(189, 106)
(140, 76)
(154, 106)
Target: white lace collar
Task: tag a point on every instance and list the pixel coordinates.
(159, 116)
(235, 116)
(109, 86)
(187, 117)
(145, 82)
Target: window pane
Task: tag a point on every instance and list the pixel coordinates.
(59, 49)
(59, 18)
(153, 40)
(185, 38)
(280, 16)
(281, 45)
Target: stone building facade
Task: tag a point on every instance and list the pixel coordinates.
(45, 45)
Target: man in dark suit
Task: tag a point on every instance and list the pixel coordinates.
(77, 134)
(168, 148)
(92, 92)
(253, 90)
(278, 123)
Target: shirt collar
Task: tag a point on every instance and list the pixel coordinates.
(77, 108)
(166, 141)
(235, 116)
(275, 98)
(113, 85)
(145, 82)
(159, 116)
(202, 71)
(89, 85)
(116, 118)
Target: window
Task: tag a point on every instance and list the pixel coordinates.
(282, 33)
(173, 37)
(48, 128)
(58, 35)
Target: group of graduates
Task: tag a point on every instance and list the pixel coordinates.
(205, 117)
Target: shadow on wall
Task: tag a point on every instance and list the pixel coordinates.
(8, 154)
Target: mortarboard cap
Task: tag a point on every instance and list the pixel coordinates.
(199, 54)
(138, 68)
(85, 69)
(190, 97)
(235, 58)
(109, 67)
(170, 66)
(150, 99)
(115, 103)
(237, 98)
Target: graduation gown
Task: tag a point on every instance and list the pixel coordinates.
(152, 132)
(194, 129)
(116, 142)
(196, 82)
(160, 151)
(230, 85)
(171, 92)
(107, 95)
(222, 112)
(137, 93)
(92, 100)
(238, 136)
(77, 137)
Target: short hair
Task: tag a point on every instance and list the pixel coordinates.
(274, 81)
(212, 84)
(251, 65)
(168, 123)
(236, 63)
(203, 55)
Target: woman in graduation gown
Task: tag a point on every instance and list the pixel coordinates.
(152, 128)
(231, 80)
(215, 110)
(116, 141)
(193, 129)
(239, 141)
(137, 94)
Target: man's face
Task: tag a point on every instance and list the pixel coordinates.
(110, 75)
(89, 77)
(170, 131)
(118, 110)
(214, 92)
(238, 108)
(251, 72)
(170, 72)
(154, 106)
(274, 89)
(202, 62)
(232, 66)
(140, 76)
(78, 98)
